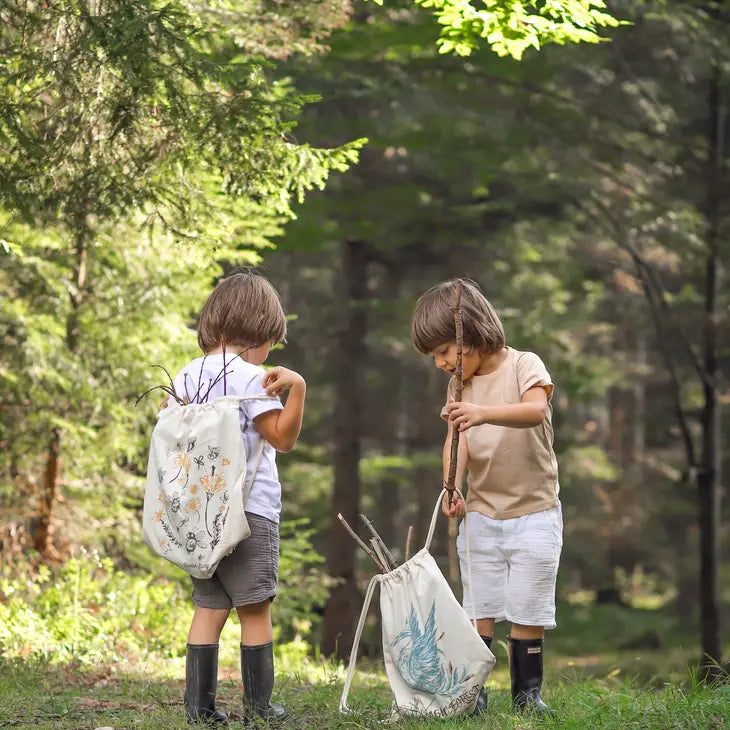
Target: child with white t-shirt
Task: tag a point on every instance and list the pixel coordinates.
(512, 507)
(240, 321)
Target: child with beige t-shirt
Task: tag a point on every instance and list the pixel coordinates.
(512, 507)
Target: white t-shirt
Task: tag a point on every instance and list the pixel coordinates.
(242, 378)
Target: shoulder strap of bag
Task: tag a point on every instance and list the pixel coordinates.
(356, 642)
(429, 537)
(256, 462)
(259, 451)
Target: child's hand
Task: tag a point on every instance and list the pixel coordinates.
(279, 379)
(465, 415)
(164, 402)
(457, 508)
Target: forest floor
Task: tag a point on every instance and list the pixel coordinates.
(605, 668)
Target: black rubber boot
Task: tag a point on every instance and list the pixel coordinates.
(201, 680)
(257, 670)
(526, 671)
(481, 705)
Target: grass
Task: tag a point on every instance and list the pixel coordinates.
(605, 668)
(64, 697)
(43, 697)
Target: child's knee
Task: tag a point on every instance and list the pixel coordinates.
(211, 616)
(207, 624)
(254, 609)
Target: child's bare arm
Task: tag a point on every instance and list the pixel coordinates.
(457, 506)
(527, 414)
(281, 427)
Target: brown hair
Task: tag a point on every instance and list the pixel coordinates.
(432, 321)
(244, 309)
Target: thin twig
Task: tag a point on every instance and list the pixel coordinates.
(169, 389)
(225, 389)
(361, 543)
(651, 277)
(408, 542)
(390, 559)
(651, 297)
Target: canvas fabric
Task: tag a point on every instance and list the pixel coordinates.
(195, 493)
(435, 660)
(203, 380)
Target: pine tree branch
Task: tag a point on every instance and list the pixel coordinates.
(659, 290)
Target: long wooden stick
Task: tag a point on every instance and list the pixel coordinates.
(458, 390)
(408, 542)
(357, 539)
(390, 559)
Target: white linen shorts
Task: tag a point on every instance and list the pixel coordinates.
(514, 566)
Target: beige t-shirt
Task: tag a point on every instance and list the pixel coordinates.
(512, 471)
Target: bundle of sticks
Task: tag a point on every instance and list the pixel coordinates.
(377, 550)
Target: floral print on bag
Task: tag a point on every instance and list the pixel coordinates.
(185, 511)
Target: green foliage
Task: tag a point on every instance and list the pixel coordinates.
(276, 29)
(453, 182)
(306, 481)
(587, 463)
(35, 695)
(144, 287)
(130, 103)
(144, 149)
(510, 28)
(303, 585)
(90, 611)
(541, 180)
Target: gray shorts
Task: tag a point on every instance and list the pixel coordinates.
(248, 575)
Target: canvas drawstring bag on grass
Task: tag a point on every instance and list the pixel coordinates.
(435, 660)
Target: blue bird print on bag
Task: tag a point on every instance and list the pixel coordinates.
(420, 661)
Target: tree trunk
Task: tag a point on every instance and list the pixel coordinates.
(427, 478)
(42, 541)
(625, 447)
(708, 477)
(388, 513)
(47, 498)
(389, 424)
(342, 606)
(423, 479)
(78, 293)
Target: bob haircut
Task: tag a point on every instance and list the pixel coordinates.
(432, 321)
(244, 309)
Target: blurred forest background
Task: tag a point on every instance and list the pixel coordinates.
(584, 187)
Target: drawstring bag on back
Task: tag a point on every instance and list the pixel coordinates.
(195, 494)
(435, 660)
